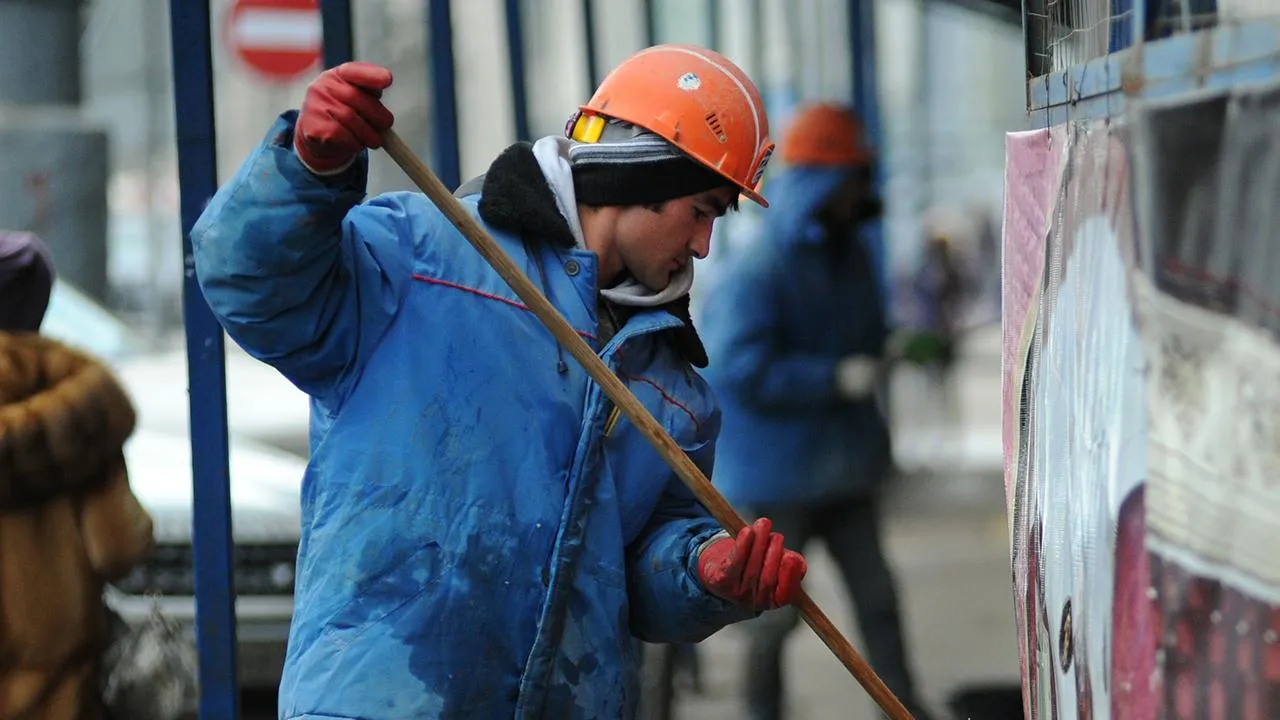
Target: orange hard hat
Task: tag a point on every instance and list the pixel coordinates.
(824, 134)
(697, 100)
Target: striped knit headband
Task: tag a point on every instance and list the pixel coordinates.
(632, 166)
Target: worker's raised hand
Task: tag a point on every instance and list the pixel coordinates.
(753, 569)
(342, 114)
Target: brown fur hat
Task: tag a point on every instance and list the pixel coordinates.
(63, 421)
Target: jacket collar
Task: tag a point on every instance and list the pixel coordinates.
(515, 198)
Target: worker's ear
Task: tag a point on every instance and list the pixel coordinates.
(117, 530)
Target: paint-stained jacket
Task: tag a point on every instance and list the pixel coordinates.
(482, 536)
(778, 320)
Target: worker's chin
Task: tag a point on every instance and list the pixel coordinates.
(656, 281)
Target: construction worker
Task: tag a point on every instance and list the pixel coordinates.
(796, 335)
(483, 534)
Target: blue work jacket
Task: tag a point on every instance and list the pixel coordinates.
(780, 317)
(482, 534)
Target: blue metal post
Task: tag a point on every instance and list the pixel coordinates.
(1123, 26)
(862, 47)
(339, 43)
(1138, 22)
(589, 39)
(713, 24)
(650, 23)
(444, 95)
(756, 10)
(862, 51)
(211, 530)
(515, 60)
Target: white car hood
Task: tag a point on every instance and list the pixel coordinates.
(261, 403)
(265, 487)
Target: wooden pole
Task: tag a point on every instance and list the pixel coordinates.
(613, 387)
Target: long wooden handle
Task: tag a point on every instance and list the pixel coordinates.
(613, 387)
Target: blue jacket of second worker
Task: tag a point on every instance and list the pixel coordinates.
(482, 534)
(778, 320)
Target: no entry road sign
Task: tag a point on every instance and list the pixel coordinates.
(279, 40)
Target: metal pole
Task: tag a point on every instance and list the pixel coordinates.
(650, 24)
(1138, 22)
(862, 46)
(515, 59)
(756, 10)
(211, 537)
(713, 24)
(866, 99)
(448, 165)
(589, 39)
(339, 43)
(927, 185)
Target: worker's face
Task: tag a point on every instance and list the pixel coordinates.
(656, 241)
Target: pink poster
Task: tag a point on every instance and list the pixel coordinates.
(1141, 367)
(1033, 167)
(1075, 414)
(1031, 174)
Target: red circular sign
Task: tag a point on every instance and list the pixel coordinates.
(280, 40)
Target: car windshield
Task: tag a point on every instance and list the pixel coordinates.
(77, 319)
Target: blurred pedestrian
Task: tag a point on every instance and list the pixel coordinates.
(796, 337)
(69, 522)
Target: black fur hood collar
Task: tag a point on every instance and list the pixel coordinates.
(516, 198)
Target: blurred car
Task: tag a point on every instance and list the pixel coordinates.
(265, 479)
(261, 404)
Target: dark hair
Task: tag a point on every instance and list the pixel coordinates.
(731, 207)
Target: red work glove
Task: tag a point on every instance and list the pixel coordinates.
(342, 114)
(753, 570)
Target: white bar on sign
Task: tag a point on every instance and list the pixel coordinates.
(278, 29)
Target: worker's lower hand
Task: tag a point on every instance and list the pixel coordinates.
(856, 376)
(342, 114)
(753, 569)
